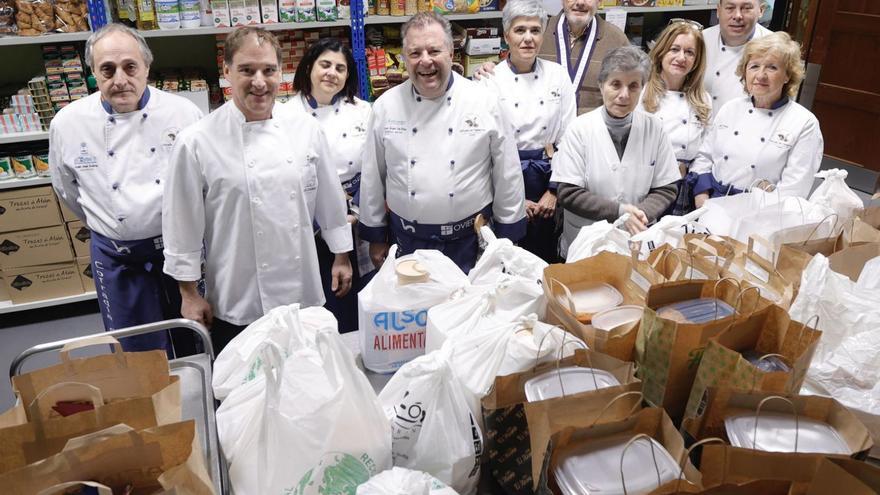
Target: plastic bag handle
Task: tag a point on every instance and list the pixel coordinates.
(612, 401)
(687, 455)
(653, 456)
(758, 416)
(64, 353)
(568, 298)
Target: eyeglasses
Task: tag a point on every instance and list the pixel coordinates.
(695, 24)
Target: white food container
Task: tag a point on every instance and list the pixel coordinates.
(776, 433)
(610, 319)
(574, 380)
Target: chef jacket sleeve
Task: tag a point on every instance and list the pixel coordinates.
(803, 162)
(373, 226)
(330, 205)
(183, 210)
(63, 179)
(704, 161)
(508, 202)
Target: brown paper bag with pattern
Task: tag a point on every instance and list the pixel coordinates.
(758, 271)
(507, 440)
(605, 268)
(772, 334)
(668, 349)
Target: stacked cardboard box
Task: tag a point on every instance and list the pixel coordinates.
(36, 256)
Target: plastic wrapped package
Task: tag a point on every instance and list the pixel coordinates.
(71, 15)
(870, 276)
(34, 17)
(833, 193)
(598, 237)
(7, 17)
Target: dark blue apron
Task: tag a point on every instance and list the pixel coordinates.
(132, 290)
(707, 183)
(541, 238)
(457, 240)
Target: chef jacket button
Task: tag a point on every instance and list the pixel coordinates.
(723, 49)
(412, 162)
(415, 130)
(115, 186)
(418, 98)
(120, 219)
(337, 110)
(144, 115)
(152, 150)
(736, 133)
(256, 201)
(681, 95)
(448, 99)
(684, 121)
(515, 79)
(750, 110)
(111, 153)
(683, 147)
(450, 130)
(265, 266)
(412, 193)
(516, 105)
(714, 97)
(451, 194)
(289, 159)
(620, 197)
(517, 130)
(74, 181)
(251, 164)
(292, 195)
(614, 168)
(762, 140)
(295, 226)
(718, 73)
(157, 181)
(544, 128)
(296, 258)
(111, 119)
(314, 114)
(753, 166)
(770, 113)
(276, 125)
(536, 77)
(351, 163)
(344, 134)
(542, 102)
(725, 157)
(452, 162)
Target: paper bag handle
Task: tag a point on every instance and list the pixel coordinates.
(61, 487)
(804, 327)
(821, 222)
(687, 455)
(559, 358)
(75, 390)
(631, 441)
(715, 290)
(568, 298)
(739, 300)
(64, 353)
(758, 416)
(612, 401)
(664, 262)
(758, 372)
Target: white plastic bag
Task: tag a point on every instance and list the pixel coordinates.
(392, 317)
(870, 276)
(670, 230)
(401, 481)
(721, 216)
(481, 306)
(833, 193)
(501, 260)
(433, 428)
(847, 359)
(239, 362)
(595, 238)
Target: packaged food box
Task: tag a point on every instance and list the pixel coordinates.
(326, 10)
(35, 247)
(252, 11)
(287, 11)
(28, 207)
(41, 164)
(305, 10)
(38, 283)
(6, 168)
(483, 46)
(84, 266)
(269, 11)
(80, 238)
(220, 13)
(23, 166)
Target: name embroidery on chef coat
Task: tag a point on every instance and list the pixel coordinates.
(311, 178)
(85, 160)
(168, 136)
(395, 128)
(470, 125)
(782, 138)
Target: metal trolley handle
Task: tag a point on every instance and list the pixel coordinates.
(197, 328)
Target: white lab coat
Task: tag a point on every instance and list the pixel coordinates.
(439, 161)
(109, 169)
(538, 105)
(251, 191)
(721, 80)
(345, 125)
(587, 158)
(745, 144)
(680, 123)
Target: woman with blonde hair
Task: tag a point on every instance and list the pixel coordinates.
(675, 94)
(765, 138)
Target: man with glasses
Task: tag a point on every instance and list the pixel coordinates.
(737, 25)
(108, 153)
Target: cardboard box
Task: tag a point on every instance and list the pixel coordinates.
(84, 266)
(472, 63)
(35, 247)
(28, 208)
(67, 215)
(269, 11)
(220, 13)
(38, 283)
(483, 46)
(80, 238)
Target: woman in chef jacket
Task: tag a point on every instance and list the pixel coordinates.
(538, 99)
(675, 94)
(326, 84)
(613, 160)
(764, 139)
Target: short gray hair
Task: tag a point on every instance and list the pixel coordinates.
(425, 19)
(117, 28)
(523, 8)
(625, 59)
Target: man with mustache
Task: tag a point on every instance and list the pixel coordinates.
(438, 154)
(108, 154)
(579, 44)
(737, 24)
(247, 182)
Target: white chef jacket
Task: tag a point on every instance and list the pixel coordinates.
(109, 168)
(782, 145)
(538, 105)
(251, 190)
(439, 161)
(721, 80)
(680, 123)
(587, 158)
(345, 125)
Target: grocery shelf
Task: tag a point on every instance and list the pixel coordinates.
(646, 10)
(16, 183)
(400, 19)
(8, 307)
(23, 137)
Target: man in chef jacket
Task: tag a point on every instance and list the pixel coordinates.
(737, 24)
(247, 181)
(438, 154)
(108, 154)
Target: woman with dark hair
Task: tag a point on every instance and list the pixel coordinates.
(326, 83)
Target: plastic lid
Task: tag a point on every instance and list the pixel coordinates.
(776, 433)
(610, 319)
(567, 381)
(592, 298)
(411, 272)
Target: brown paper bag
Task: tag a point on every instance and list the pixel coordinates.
(64, 488)
(507, 441)
(761, 273)
(850, 261)
(140, 458)
(724, 465)
(858, 231)
(770, 332)
(759, 487)
(119, 375)
(793, 258)
(831, 478)
(668, 352)
(548, 417)
(722, 403)
(43, 437)
(653, 422)
(686, 264)
(871, 216)
(869, 474)
(613, 269)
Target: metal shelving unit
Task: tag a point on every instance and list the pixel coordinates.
(8, 307)
(17, 183)
(23, 137)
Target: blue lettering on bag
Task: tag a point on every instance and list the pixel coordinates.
(401, 321)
